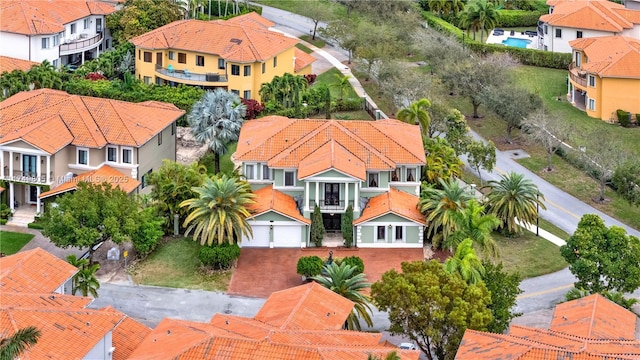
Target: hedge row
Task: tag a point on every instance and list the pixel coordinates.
(518, 18)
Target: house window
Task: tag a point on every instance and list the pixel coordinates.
(56, 40)
(250, 171)
(275, 61)
(86, 23)
(145, 179)
(411, 175)
(221, 64)
(592, 81)
(112, 154)
(381, 232)
(578, 34)
(546, 29)
(139, 52)
(247, 70)
(182, 58)
(235, 70)
(592, 104)
(395, 175)
(147, 56)
(578, 59)
(56, 63)
(546, 48)
(147, 80)
(247, 94)
(83, 156)
(199, 60)
(399, 233)
(237, 92)
(289, 178)
(172, 55)
(160, 138)
(73, 28)
(372, 180)
(173, 129)
(264, 67)
(265, 172)
(126, 156)
(558, 33)
(45, 43)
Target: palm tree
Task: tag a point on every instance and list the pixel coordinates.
(514, 198)
(85, 281)
(13, 82)
(13, 346)
(466, 263)
(442, 162)
(417, 113)
(219, 213)
(78, 263)
(343, 84)
(442, 205)
(342, 280)
(472, 223)
(480, 15)
(216, 120)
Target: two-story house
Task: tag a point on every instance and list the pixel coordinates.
(605, 76)
(49, 140)
(575, 19)
(294, 165)
(239, 54)
(63, 32)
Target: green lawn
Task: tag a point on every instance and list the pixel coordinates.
(529, 255)
(226, 165)
(175, 264)
(317, 42)
(330, 78)
(339, 11)
(11, 242)
(304, 48)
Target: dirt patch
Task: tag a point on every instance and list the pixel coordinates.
(113, 270)
(188, 150)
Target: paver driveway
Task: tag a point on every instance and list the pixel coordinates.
(263, 271)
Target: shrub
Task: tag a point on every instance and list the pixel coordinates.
(309, 266)
(518, 18)
(347, 104)
(95, 76)
(355, 262)
(347, 227)
(35, 225)
(623, 118)
(317, 227)
(3, 221)
(5, 212)
(254, 108)
(311, 78)
(219, 257)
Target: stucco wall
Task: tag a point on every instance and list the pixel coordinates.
(151, 154)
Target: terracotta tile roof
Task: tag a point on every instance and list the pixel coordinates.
(36, 17)
(591, 14)
(34, 271)
(302, 60)
(395, 202)
(329, 156)
(268, 199)
(285, 143)
(9, 64)
(238, 41)
(252, 19)
(51, 119)
(610, 56)
(305, 307)
(33, 300)
(105, 173)
(585, 329)
(594, 317)
(127, 336)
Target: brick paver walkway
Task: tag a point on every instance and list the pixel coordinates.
(263, 271)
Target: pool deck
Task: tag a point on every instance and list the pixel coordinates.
(493, 39)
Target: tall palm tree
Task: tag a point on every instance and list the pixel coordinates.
(442, 162)
(417, 113)
(216, 120)
(11, 347)
(79, 263)
(472, 223)
(466, 263)
(343, 280)
(85, 281)
(13, 82)
(219, 213)
(514, 197)
(342, 84)
(481, 15)
(441, 207)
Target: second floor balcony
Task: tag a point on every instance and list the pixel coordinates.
(578, 76)
(188, 76)
(334, 204)
(30, 177)
(82, 43)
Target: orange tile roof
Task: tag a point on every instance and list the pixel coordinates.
(51, 119)
(285, 143)
(34, 271)
(305, 307)
(34, 300)
(268, 199)
(104, 173)
(127, 336)
(610, 56)
(599, 15)
(232, 40)
(329, 156)
(583, 329)
(302, 60)
(252, 19)
(9, 64)
(394, 201)
(36, 17)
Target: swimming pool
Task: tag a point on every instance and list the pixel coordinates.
(515, 42)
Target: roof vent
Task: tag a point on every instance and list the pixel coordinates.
(236, 41)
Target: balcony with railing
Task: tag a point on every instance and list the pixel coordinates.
(188, 76)
(334, 204)
(578, 76)
(29, 177)
(80, 44)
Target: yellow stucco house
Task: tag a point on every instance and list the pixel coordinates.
(239, 54)
(605, 76)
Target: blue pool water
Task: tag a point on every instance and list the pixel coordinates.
(515, 42)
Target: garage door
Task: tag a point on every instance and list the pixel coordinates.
(287, 236)
(260, 237)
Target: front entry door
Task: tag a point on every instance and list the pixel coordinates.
(33, 194)
(159, 59)
(332, 222)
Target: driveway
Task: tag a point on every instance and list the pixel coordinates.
(263, 271)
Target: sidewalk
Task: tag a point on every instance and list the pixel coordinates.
(43, 242)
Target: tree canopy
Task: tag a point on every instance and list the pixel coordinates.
(138, 17)
(504, 288)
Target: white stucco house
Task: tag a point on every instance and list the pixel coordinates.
(62, 32)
